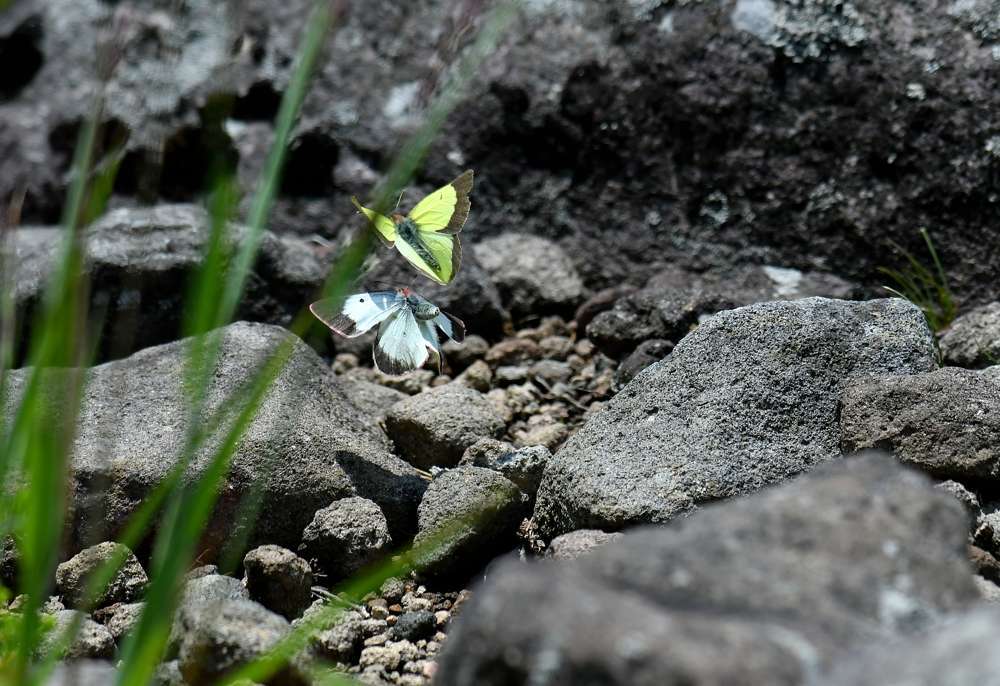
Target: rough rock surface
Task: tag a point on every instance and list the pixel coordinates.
(435, 427)
(748, 399)
(955, 652)
(127, 585)
(973, 339)
(946, 422)
(572, 545)
(140, 261)
(120, 618)
(199, 592)
(226, 634)
(467, 516)
(535, 276)
(308, 444)
(524, 466)
(345, 536)
(279, 580)
(774, 588)
(93, 640)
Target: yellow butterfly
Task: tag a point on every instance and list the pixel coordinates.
(428, 235)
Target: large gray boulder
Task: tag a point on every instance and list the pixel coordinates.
(748, 399)
(775, 588)
(141, 262)
(306, 446)
(946, 422)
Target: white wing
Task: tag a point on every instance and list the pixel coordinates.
(432, 341)
(358, 313)
(399, 346)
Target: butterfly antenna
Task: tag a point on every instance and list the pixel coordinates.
(399, 200)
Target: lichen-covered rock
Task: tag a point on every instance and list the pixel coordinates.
(973, 339)
(73, 576)
(435, 427)
(946, 422)
(773, 588)
(279, 580)
(345, 536)
(468, 516)
(748, 399)
(306, 446)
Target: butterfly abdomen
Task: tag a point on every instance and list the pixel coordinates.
(406, 230)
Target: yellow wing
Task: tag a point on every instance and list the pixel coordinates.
(439, 256)
(384, 227)
(446, 209)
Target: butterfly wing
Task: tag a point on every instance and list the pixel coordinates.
(446, 209)
(384, 227)
(357, 313)
(431, 341)
(452, 326)
(445, 255)
(399, 346)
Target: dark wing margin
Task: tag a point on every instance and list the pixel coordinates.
(463, 188)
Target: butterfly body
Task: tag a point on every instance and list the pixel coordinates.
(428, 236)
(408, 326)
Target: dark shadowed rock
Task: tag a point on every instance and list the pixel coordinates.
(946, 422)
(226, 635)
(524, 466)
(141, 262)
(646, 353)
(572, 545)
(414, 626)
(676, 300)
(73, 575)
(748, 399)
(973, 339)
(533, 274)
(436, 426)
(306, 446)
(279, 580)
(957, 652)
(775, 588)
(468, 516)
(346, 536)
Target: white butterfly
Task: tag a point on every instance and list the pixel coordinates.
(407, 333)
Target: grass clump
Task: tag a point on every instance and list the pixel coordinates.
(926, 287)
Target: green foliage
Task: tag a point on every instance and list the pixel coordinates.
(925, 287)
(36, 426)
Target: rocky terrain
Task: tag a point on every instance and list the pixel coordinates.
(687, 441)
